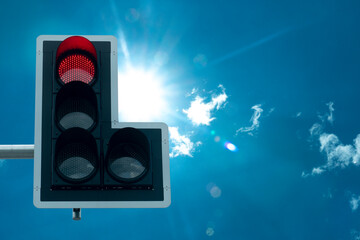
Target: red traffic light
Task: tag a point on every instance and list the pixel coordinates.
(76, 60)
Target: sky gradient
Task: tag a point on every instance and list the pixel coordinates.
(260, 98)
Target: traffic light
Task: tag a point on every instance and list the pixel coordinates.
(84, 157)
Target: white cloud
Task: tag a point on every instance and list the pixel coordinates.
(355, 235)
(316, 129)
(193, 91)
(317, 170)
(354, 202)
(356, 157)
(181, 144)
(2, 162)
(200, 112)
(337, 154)
(254, 119)
(298, 114)
(330, 116)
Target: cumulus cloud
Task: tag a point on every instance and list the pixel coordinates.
(354, 202)
(200, 111)
(181, 144)
(338, 155)
(254, 120)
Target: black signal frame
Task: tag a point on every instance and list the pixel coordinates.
(53, 191)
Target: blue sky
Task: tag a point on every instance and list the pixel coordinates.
(278, 80)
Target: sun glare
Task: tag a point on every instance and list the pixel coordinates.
(141, 96)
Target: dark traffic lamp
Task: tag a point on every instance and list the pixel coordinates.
(85, 157)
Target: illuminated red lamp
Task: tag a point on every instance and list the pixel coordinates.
(76, 60)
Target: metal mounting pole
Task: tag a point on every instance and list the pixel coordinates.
(17, 151)
(27, 152)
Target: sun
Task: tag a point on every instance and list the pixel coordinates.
(141, 96)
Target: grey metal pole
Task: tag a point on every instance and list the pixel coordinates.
(17, 151)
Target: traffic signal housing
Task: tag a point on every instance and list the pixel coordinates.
(84, 157)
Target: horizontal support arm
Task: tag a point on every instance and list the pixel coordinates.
(17, 151)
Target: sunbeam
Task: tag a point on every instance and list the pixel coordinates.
(250, 46)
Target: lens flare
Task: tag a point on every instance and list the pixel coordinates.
(230, 146)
